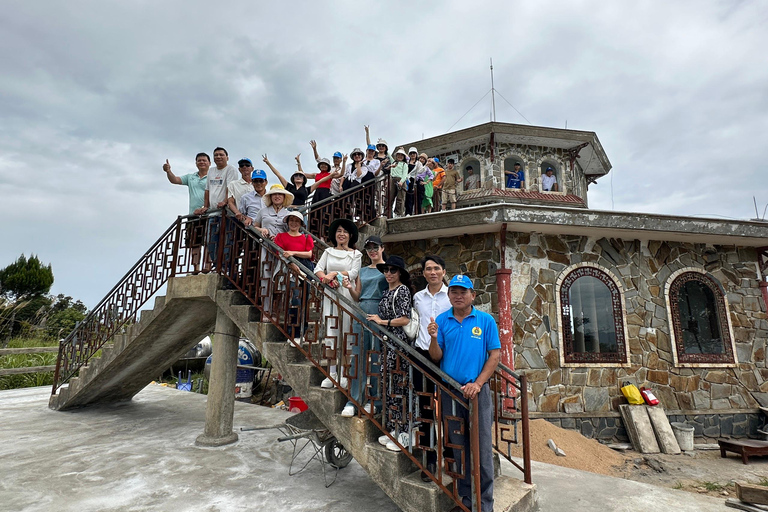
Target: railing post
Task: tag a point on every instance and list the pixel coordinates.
(222, 239)
(523, 397)
(176, 244)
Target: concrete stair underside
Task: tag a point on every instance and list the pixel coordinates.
(186, 314)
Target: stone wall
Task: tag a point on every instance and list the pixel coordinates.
(537, 261)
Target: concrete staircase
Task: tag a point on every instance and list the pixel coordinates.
(180, 319)
(186, 314)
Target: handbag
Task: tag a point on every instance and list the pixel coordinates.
(412, 328)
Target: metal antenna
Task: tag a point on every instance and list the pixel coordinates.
(493, 95)
(757, 214)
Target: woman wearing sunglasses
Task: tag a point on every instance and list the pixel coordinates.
(367, 289)
(394, 314)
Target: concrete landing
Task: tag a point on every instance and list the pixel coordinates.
(141, 456)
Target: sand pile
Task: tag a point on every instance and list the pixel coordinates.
(581, 453)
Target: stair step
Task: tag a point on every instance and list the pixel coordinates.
(159, 302)
(423, 495)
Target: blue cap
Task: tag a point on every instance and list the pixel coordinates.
(258, 174)
(437, 160)
(550, 169)
(371, 147)
(240, 162)
(461, 280)
(337, 154)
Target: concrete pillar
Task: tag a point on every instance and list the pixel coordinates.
(220, 408)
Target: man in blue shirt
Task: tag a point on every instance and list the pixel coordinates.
(465, 341)
(516, 177)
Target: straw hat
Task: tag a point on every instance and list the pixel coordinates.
(277, 189)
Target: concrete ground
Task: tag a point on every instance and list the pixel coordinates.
(141, 455)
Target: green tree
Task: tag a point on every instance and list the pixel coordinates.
(25, 278)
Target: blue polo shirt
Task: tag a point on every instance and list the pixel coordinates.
(514, 182)
(466, 345)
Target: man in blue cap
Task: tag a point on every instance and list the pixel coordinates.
(465, 341)
(252, 202)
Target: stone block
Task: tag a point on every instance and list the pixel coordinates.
(713, 431)
(549, 403)
(667, 397)
(533, 358)
(685, 401)
(608, 377)
(593, 377)
(678, 383)
(578, 379)
(658, 376)
(701, 399)
(568, 423)
(744, 352)
(720, 391)
(555, 378)
(536, 375)
(552, 360)
(596, 399)
(538, 388)
(721, 403)
(547, 276)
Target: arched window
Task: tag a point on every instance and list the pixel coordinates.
(699, 320)
(472, 179)
(592, 318)
(511, 181)
(558, 176)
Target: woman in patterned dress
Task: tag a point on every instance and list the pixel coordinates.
(394, 314)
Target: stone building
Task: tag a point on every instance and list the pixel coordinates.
(587, 300)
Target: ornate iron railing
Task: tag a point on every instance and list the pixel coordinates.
(328, 328)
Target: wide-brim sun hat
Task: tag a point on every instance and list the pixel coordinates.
(382, 142)
(348, 225)
(304, 180)
(326, 162)
(401, 152)
(395, 261)
(294, 215)
(277, 189)
(357, 151)
(424, 156)
(413, 150)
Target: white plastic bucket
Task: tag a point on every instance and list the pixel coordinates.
(684, 435)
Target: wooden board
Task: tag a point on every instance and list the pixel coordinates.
(752, 493)
(27, 369)
(27, 350)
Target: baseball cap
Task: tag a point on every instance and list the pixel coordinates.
(258, 174)
(244, 160)
(371, 147)
(337, 154)
(373, 240)
(462, 281)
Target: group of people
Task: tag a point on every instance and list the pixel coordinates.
(452, 333)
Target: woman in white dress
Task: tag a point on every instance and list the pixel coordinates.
(336, 263)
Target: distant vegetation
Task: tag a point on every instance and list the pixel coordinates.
(31, 317)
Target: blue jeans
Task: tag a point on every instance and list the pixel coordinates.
(366, 342)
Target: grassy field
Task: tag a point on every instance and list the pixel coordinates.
(27, 380)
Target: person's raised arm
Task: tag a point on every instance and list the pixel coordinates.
(171, 177)
(309, 175)
(367, 135)
(313, 143)
(277, 173)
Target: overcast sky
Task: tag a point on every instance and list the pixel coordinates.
(94, 96)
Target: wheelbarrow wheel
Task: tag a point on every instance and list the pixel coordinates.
(336, 454)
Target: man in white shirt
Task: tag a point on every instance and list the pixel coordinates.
(473, 181)
(549, 181)
(237, 189)
(429, 302)
(216, 197)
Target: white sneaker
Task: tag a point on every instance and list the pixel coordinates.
(370, 409)
(404, 438)
(344, 382)
(384, 440)
(327, 384)
(348, 411)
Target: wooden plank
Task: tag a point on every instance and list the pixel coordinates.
(740, 505)
(663, 430)
(26, 369)
(27, 350)
(752, 493)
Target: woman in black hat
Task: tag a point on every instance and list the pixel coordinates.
(394, 314)
(336, 263)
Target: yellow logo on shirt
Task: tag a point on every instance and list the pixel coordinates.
(477, 331)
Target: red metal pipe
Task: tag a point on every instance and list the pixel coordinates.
(503, 292)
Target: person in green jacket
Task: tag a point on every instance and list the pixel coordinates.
(398, 182)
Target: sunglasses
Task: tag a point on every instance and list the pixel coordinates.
(391, 270)
(259, 180)
(245, 166)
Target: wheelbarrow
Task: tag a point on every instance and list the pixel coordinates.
(309, 436)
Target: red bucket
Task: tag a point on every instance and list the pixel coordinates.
(296, 404)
